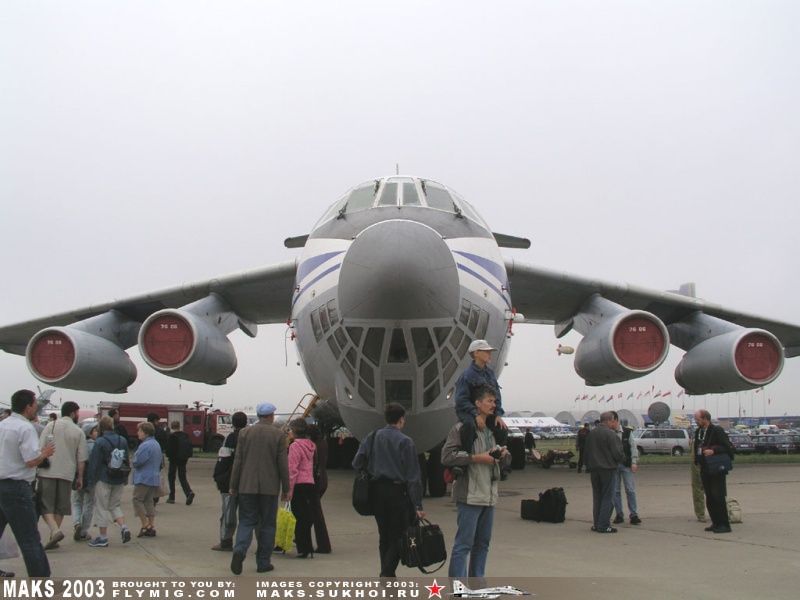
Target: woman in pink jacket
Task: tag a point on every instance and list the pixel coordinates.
(302, 490)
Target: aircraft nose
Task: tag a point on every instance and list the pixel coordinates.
(398, 269)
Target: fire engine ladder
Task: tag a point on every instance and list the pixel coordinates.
(301, 410)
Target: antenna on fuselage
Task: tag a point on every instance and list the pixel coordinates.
(397, 168)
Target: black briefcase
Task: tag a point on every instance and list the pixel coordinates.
(422, 546)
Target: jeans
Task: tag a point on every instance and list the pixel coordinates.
(227, 520)
(257, 512)
(472, 539)
(180, 467)
(83, 508)
(18, 511)
(625, 475)
(602, 496)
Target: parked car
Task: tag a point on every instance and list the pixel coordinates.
(662, 441)
(773, 444)
(742, 444)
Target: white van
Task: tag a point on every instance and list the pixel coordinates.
(662, 441)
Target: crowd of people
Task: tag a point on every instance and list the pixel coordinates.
(61, 469)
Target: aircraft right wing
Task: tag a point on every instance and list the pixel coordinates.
(260, 296)
(552, 297)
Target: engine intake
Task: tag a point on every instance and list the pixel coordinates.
(77, 360)
(618, 344)
(735, 361)
(191, 343)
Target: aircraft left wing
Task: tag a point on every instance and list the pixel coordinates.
(552, 297)
(260, 296)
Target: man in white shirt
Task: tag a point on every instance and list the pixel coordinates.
(66, 465)
(19, 456)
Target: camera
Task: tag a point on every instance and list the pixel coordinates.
(496, 452)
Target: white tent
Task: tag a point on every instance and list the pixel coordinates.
(523, 422)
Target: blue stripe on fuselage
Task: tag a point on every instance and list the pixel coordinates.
(486, 281)
(492, 267)
(315, 280)
(312, 263)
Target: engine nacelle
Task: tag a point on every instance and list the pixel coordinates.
(739, 360)
(77, 360)
(182, 344)
(622, 346)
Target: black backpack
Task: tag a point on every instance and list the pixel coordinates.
(550, 507)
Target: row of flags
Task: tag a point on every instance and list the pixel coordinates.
(651, 393)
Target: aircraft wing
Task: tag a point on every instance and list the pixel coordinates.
(552, 297)
(260, 295)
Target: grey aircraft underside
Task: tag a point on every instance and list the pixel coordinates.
(387, 292)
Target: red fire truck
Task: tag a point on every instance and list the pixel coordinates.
(206, 428)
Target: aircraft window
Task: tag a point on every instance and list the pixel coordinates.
(441, 334)
(400, 391)
(467, 209)
(351, 356)
(332, 312)
(366, 393)
(339, 335)
(438, 197)
(398, 353)
(315, 325)
(348, 371)
(455, 339)
(446, 356)
(367, 374)
(466, 305)
(449, 370)
(473, 318)
(389, 194)
(423, 344)
(462, 349)
(333, 210)
(355, 335)
(431, 394)
(430, 373)
(410, 196)
(334, 348)
(483, 324)
(373, 345)
(362, 197)
(323, 318)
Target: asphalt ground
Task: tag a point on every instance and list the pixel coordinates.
(667, 556)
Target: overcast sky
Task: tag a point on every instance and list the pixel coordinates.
(146, 144)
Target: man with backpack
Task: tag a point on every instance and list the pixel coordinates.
(222, 477)
(109, 466)
(179, 451)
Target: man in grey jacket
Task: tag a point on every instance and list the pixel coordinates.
(260, 472)
(475, 490)
(603, 454)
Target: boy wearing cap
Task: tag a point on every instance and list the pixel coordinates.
(477, 375)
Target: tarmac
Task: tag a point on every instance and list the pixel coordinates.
(667, 556)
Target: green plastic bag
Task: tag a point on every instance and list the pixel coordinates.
(284, 529)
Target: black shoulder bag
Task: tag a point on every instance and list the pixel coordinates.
(423, 545)
(361, 499)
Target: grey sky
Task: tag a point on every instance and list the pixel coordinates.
(144, 144)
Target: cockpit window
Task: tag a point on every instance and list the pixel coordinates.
(410, 196)
(389, 194)
(362, 197)
(438, 197)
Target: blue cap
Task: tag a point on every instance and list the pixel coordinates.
(265, 409)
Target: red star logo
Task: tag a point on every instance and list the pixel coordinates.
(434, 590)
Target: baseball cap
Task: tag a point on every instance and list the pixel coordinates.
(479, 345)
(265, 409)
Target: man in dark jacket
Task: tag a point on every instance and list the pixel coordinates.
(222, 477)
(179, 451)
(709, 440)
(603, 453)
(580, 444)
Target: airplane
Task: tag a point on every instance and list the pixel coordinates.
(462, 591)
(391, 285)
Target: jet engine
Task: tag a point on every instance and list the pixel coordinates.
(191, 342)
(618, 344)
(78, 360)
(738, 360)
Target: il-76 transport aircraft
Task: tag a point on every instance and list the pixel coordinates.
(390, 287)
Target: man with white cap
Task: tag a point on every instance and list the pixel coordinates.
(477, 375)
(260, 472)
